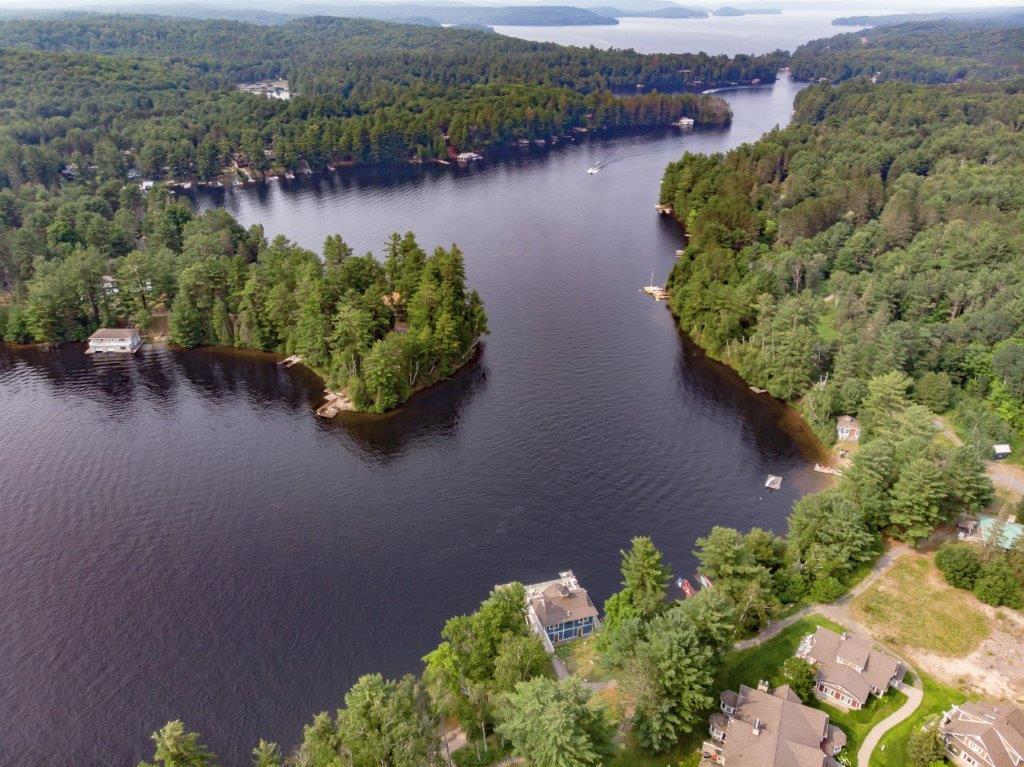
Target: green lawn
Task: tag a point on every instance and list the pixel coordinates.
(686, 754)
(756, 663)
(892, 750)
(582, 659)
(857, 724)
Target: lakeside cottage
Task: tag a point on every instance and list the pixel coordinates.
(560, 610)
(848, 428)
(120, 340)
(771, 729)
(984, 733)
(849, 669)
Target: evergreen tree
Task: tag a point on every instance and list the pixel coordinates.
(644, 577)
(970, 488)
(917, 500)
(267, 754)
(670, 676)
(174, 747)
(552, 724)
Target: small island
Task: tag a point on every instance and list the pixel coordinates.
(728, 10)
(374, 332)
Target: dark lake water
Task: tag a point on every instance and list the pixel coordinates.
(183, 538)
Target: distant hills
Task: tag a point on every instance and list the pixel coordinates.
(998, 15)
(586, 12)
(730, 11)
(512, 15)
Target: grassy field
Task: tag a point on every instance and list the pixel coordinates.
(892, 750)
(892, 609)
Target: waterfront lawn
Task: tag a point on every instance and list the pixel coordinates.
(892, 749)
(752, 665)
(582, 659)
(952, 625)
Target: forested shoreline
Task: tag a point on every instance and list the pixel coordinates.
(157, 96)
(377, 330)
(798, 268)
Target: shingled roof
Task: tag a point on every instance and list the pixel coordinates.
(775, 729)
(997, 727)
(852, 663)
(558, 604)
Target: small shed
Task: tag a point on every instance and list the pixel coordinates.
(848, 428)
(1001, 451)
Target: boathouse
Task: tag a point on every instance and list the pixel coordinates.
(560, 610)
(848, 428)
(120, 340)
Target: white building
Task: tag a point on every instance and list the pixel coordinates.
(120, 340)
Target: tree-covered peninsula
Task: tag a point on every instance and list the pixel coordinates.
(379, 331)
(881, 232)
(159, 96)
(922, 51)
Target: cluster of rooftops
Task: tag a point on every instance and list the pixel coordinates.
(762, 727)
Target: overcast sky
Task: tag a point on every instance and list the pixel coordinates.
(841, 6)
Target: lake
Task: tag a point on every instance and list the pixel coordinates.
(729, 35)
(183, 538)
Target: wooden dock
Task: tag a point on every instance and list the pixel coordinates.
(288, 362)
(665, 210)
(335, 402)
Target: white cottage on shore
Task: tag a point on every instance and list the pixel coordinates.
(119, 340)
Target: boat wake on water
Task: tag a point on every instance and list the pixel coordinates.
(619, 156)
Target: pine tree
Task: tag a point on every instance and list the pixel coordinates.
(551, 724)
(174, 747)
(645, 577)
(970, 488)
(917, 500)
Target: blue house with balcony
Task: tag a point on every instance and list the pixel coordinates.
(560, 610)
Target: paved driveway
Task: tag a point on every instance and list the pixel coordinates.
(914, 696)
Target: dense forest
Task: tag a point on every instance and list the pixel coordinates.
(380, 331)
(156, 95)
(918, 52)
(881, 232)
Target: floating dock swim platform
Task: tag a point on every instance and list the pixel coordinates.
(827, 470)
(773, 482)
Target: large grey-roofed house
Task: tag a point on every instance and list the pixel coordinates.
(560, 610)
(771, 728)
(849, 668)
(989, 734)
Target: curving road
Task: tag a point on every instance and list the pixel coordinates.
(914, 696)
